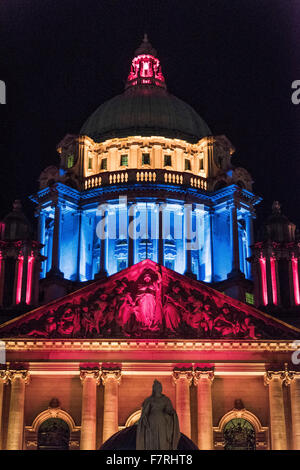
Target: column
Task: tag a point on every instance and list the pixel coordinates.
(269, 281)
(78, 214)
(234, 240)
(3, 381)
(131, 234)
(41, 228)
(18, 379)
(2, 275)
(41, 236)
(203, 380)
(103, 235)
(111, 379)
(25, 254)
(250, 237)
(211, 232)
(56, 241)
(89, 379)
(295, 407)
(183, 380)
(160, 234)
(277, 419)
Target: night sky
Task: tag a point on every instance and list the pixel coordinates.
(232, 60)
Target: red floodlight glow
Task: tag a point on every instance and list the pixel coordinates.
(262, 262)
(273, 279)
(296, 280)
(29, 279)
(19, 279)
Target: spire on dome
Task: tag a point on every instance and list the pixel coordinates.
(145, 67)
(277, 227)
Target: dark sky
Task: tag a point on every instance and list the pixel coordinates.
(232, 60)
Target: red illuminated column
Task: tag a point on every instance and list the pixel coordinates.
(274, 381)
(18, 379)
(183, 380)
(203, 380)
(269, 281)
(3, 381)
(18, 278)
(263, 280)
(2, 274)
(211, 232)
(274, 280)
(89, 379)
(131, 233)
(111, 380)
(234, 240)
(25, 274)
(295, 408)
(295, 283)
(29, 281)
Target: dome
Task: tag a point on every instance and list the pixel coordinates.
(146, 107)
(278, 227)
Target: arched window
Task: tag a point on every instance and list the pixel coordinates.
(53, 434)
(239, 434)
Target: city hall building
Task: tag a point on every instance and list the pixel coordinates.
(146, 266)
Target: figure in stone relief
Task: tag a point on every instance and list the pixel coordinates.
(148, 303)
(158, 427)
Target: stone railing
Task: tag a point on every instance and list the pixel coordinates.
(145, 176)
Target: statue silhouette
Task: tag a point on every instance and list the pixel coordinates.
(158, 427)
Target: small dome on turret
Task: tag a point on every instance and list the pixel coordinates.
(146, 48)
(278, 227)
(16, 226)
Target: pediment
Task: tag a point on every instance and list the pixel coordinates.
(148, 301)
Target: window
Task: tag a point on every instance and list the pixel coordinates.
(90, 165)
(70, 161)
(170, 264)
(124, 160)
(187, 164)
(146, 159)
(167, 160)
(122, 264)
(104, 164)
(239, 434)
(249, 298)
(201, 164)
